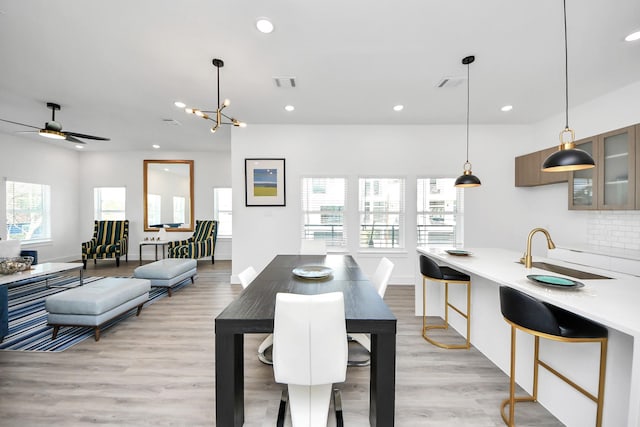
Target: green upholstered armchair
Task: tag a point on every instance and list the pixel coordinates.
(110, 240)
(201, 244)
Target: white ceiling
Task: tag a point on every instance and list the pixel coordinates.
(117, 66)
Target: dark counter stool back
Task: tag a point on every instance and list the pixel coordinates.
(432, 271)
(544, 320)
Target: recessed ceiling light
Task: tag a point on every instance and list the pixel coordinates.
(156, 146)
(633, 37)
(398, 107)
(80, 147)
(289, 107)
(264, 25)
(507, 108)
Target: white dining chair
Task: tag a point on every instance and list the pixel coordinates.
(309, 355)
(380, 280)
(313, 247)
(246, 277)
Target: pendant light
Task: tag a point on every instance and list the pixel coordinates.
(568, 157)
(218, 114)
(467, 179)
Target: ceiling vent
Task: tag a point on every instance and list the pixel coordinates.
(285, 82)
(450, 81)
(172, 122)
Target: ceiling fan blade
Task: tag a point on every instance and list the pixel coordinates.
(82, 135)
(74, 139)
(21, 124)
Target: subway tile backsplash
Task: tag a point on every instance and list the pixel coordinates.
(615, 229)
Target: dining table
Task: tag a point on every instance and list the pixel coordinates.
(252, 312)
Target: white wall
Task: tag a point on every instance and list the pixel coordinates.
(25, 159)
(496, 214)
(124, 169)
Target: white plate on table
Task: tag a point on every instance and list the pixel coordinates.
(312, 271)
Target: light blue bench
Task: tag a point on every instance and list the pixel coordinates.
(167, 273)
(95, 303)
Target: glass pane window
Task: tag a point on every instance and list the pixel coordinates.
(222, 211)
(381, 208)
(440, 209)
(28, 211)
(179, 208)
(154, 203)
(323, 210)
(109, 203)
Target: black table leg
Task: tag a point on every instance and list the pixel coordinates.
(229, 379)
(383, 380)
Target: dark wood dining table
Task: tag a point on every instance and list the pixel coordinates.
(253, 310)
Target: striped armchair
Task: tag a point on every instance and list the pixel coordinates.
(110, 240)
(201, 244)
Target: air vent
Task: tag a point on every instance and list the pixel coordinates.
(451, 81)
(285, 82)
(172, 122)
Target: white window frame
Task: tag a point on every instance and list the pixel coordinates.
(439, 218)
(154, 209)
(38, 228)
(179, 209)
(104, 196)
(386, 236)
(313, 226)
(223, 211)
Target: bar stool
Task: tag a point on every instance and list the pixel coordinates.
(432, 271)
(544, 320)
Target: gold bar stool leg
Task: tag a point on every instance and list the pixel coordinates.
(432, 271)
(540, 319)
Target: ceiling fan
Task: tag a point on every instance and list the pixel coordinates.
(53, 129)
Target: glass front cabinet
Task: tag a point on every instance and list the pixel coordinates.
(611, 185)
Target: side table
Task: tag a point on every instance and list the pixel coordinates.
(156, 243)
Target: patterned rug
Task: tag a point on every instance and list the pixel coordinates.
(28, 330)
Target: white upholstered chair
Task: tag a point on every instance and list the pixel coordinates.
(246, 277)
(309, 354)
(380, 280)
(313, 247)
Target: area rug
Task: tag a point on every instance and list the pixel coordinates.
(28, 330)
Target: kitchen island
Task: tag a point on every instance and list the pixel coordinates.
(613, 302)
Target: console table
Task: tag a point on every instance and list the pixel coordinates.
(253, 311)
(156, 243)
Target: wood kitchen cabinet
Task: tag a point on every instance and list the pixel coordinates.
(528, 171)
(611, 185)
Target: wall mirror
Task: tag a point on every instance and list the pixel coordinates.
(168, 195)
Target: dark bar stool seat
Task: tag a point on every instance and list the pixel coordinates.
(544, 320)
(432, 271)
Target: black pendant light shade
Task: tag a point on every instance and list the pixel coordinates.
(467, 179)
(568, 157)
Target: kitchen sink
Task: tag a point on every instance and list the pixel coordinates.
(568, 271)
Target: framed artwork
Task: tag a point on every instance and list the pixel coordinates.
(264, 182)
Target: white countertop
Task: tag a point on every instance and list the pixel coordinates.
(613, 302)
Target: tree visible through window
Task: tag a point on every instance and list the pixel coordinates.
(28, 211)
(381, 206)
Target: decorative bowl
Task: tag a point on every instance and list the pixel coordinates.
(14, 265)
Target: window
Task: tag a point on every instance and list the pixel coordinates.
(323, 210)
(109, 203)
(222, 211)
(179, 206)
(381, 206)
(28, 211)
(440, 208)
(154, 202)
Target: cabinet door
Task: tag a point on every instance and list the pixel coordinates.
(616, 169)
(583, 183)
(528, 170)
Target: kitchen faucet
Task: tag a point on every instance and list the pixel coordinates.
(527, 259)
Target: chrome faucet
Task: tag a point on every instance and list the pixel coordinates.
(527, 259)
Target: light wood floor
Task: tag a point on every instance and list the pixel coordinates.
(158, 370)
